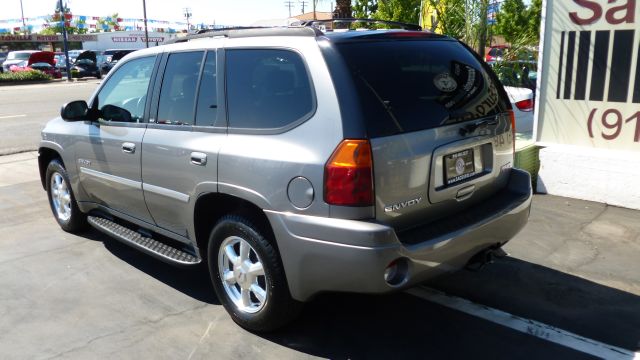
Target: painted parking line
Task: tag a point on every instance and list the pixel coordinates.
(12, 116)
(531, 327)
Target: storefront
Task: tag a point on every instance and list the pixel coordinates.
(588, 116)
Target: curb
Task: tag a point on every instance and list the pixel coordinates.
(52, 81)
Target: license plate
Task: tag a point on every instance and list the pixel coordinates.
(459, 166)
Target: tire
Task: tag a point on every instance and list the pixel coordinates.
(61, 199)
(256, 300)
(98, 75)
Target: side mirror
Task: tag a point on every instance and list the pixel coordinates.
(75, 111)
(115, 113)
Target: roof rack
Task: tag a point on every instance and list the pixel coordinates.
(404, 26)
(249, 31)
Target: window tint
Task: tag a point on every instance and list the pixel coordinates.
(267, 89)
(127, 89)
(177, 94)
(207, 110)
(408, 86)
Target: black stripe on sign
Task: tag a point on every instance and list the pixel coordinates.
(568, 75)
(560, 65)
(636, 89)
(599, 69)
(621, 65)
(583, 65)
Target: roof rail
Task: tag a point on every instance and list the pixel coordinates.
(405, 26)
(239, 32)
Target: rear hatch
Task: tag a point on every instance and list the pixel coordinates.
(438, 121)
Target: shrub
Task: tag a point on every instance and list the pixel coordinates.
(29, 75)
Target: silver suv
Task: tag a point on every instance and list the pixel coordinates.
(293, 161)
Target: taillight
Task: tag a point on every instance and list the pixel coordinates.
(525, 105)
(512, 117)
(348, 175)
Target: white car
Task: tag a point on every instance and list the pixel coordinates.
(522, 102)
(519, 81)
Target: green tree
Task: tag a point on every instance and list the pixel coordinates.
(534, 16)
(406, 11)
(54, 25)
(343, 9)
(511, 21)
(450, 17)
(364, 8)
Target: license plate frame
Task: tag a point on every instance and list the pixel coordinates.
(459, 166)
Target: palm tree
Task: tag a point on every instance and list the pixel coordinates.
(343, 9)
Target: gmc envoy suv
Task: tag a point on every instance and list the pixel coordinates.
(294, 161)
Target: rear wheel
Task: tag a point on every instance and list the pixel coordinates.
(63, 203)
(248, 277)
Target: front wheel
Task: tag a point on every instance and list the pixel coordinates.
(248, 277)
(61, 199)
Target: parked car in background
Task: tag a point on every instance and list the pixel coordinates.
(112, 57)
(3, 57)
(86, 65)
(519, 81)
(73, 55)
(19, 58)
(42, 61)
(496, 53)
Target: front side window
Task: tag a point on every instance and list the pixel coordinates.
(124, 96)
(267, 88)
(178, 91)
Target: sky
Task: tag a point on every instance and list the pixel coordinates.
(229, 12)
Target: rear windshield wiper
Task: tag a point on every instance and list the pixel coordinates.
(469, 128)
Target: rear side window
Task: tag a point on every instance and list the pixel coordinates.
(413, 85)
(178, 92)
(267, 88)
(207, 110)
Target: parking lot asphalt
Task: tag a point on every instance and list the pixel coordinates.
(574, 269)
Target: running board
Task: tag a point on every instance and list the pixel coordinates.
(148, 245)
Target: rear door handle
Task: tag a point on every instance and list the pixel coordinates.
(128, 148)
(198, 158)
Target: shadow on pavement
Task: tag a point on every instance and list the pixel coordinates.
(194, 281)
(552, 297)
(403, 326)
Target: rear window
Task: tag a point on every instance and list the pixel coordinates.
(18, 56)
(410, 85)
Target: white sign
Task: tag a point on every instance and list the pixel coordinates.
(590, 75)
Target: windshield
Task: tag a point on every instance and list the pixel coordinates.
(18, 56)
(414, 85)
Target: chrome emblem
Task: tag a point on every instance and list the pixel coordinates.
(402, 205)
(84, 162)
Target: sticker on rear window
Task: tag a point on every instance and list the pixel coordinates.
(445, 82)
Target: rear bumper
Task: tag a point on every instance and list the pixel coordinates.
(321, 254)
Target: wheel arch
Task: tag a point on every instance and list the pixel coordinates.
(210, 207)
(45, 155)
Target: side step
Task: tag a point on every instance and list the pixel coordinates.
(151, 246)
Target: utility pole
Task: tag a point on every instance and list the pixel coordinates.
(303, 4)
(64, 40)
(289, 4)
(24, 25)
(146, 31)
(187, 15)
(314, 9)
